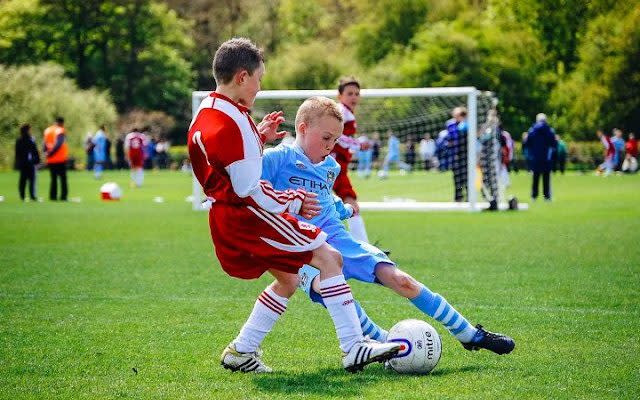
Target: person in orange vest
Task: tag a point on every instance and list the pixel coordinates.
(55, 148)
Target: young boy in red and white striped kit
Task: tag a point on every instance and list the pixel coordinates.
(251, 224)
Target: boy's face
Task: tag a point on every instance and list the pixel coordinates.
(350, 96)
(318, 137)
(249, 85)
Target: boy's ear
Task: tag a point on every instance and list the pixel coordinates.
(240, 76)
(301, 128)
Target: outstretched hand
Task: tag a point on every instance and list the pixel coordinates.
(269, 125)
(310, 206)
(354, 203)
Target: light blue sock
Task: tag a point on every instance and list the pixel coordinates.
(368, 326)
(437, 307)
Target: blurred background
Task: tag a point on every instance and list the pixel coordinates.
(134, 63)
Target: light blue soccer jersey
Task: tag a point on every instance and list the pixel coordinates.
(287, 167)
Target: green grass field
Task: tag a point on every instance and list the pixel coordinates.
(126, 299)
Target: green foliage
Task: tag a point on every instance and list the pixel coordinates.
(303, 66)
(575, 60)
(383, 24)
(138, 50)
(36, 95)
(472, 52)
(601, 92)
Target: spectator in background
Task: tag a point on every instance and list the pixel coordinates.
(162, 154)
(107, 149)
(525, 151)
(506, 157)
(27, 160)
(135, 143)
(393, 156)
(630, 163)
(99, 152)
(488, 149)
(561, 156)
(375, 150)
(410, 155)
(456, 143)
(427, 151)
(88, 148)
(365, 154)
(55, 148)
(121, 162)
(541, 143)
(442, 151)
(149, 148)
(606, 167)
(618, 146)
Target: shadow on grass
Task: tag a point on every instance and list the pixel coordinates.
(334, 382)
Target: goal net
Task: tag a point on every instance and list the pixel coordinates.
(447, 171)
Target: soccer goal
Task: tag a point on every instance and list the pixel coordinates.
(410, 114)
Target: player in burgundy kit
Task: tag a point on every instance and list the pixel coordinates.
(349, 97)
(134, 144)
(251, 224)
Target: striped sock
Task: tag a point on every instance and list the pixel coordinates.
(338, 299)
(437, 307)
(266, 311)
(368, 326)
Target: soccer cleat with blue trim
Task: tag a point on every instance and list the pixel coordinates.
(244, 362)
(366, 352)
(495, 342)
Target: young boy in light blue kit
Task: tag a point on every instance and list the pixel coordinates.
(306, 165)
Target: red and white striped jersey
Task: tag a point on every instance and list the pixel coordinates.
(135, 141)
(226, 156)
(348, 138)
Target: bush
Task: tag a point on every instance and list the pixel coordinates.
(36, 94)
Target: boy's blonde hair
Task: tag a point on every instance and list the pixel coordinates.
(317, 107)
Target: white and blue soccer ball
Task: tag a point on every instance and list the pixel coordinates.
(421, 347)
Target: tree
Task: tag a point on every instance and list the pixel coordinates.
(602, 91)
(117, 45)
(36, 94)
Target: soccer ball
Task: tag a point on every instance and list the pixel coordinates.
(421, 347)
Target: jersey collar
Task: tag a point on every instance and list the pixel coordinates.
(225, 98)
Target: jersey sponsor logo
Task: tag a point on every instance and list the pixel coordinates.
(303, 280)
(307, 227)
(331, 176)
(308, 183)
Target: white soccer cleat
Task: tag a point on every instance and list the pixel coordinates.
(244, 362)
(366, 352)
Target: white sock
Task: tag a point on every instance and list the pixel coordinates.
(268, 308)
(338, 299)
(140, 177)
(356, 226)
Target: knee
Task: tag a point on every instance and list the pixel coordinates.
(327, 259)
(286, 286)
(406, 285)
(405, 282)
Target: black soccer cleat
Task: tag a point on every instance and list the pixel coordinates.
(495, 342)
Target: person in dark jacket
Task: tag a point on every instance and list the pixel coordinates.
(27, 159)
(541, 143)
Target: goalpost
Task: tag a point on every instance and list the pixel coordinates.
(410, 113)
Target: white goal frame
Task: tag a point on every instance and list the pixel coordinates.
(471, 94)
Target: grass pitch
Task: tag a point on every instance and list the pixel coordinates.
(126, 299)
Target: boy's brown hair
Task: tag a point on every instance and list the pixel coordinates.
(346, 81)
(234, 55)
(317, 107)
